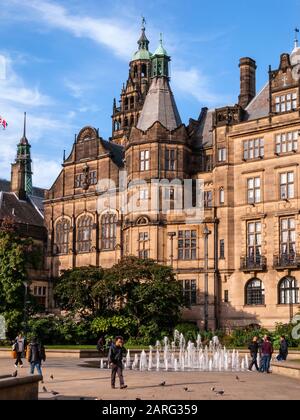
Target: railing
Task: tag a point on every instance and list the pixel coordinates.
(258, 263)
(287, 261)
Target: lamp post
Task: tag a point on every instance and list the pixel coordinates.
(172, 235)
(206, 233)
(26, 285)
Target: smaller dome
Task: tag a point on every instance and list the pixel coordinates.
(295, 56)
(161, 50)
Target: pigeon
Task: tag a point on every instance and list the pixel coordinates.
(138, 399)
(15, 374)
(220, 393)
(45, 389)
(213, 389)
(52, 377)
(237, 378)
(54, 393)
(163, 384)
(186, 389)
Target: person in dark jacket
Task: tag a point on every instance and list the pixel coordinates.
(20, 348)
(267, 351)
(254, 349)
(283, 350)
(116, 354)
(36, 355)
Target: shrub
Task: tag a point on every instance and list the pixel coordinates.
(115, 325)
(189, 330)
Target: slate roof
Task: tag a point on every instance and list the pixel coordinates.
(117, 152)
(23, 211)
(36, 192)
(259, 107)
(205, 130)
(159, 106)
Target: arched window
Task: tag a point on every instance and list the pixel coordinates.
(255, 293)
(132, 102)
(135, 71)
(288, 291)
(62, 236)
(144, 70)
(109, 231)
(126, 104)
(84, 234)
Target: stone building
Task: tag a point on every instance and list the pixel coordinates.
(23, 204)
(239, 264)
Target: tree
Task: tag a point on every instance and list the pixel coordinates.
(13, 274)
(74, 290)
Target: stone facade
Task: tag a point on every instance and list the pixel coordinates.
(240, 263)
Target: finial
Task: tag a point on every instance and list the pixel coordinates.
(25, 118)
(297, 30)
(143, 23)
(161, 38)
(64, 157)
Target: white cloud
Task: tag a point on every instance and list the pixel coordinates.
(15, 98)
(194, 83)
(110, 33)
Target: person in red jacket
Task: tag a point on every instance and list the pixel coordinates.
(267, 351)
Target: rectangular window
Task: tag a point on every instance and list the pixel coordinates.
(286, 103)
(144, 245)
(144, 194)
(187, 245)
(79, 180)
(288, 237)
(222, 249)
(93, 178)
(222, 155)
(254, 149)
(208, 199)
(287, 142)
(254, 190)
(145, 160)
(254, 241)
(170, 160)
(287, 186)
(226, 296)
(189, 288)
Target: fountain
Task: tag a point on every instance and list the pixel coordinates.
(181, 356)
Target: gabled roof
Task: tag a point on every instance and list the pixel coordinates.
(22, 211)
(159, 106)
(259, 107)
(117, 152)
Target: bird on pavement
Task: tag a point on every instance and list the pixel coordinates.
(54, 393)
(213, 389)
(52, 377)
(45, 389)
(186, 389)
(220, 393)
(163, 384)
(15, 374)
(237, 378)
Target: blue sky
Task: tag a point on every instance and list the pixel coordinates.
(65, 61)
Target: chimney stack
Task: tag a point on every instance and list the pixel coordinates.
(248, 81)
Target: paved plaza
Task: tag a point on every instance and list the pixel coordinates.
(76, 379)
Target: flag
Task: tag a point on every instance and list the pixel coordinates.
(3, 123)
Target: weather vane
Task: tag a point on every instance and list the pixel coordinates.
(297, 30)
(143, 23)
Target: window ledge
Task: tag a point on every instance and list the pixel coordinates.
(255, 306)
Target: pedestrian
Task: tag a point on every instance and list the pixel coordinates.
(116, 354)
(36, 355)
(267, 351)
(283, 350)
(19, 348)
(254, 349)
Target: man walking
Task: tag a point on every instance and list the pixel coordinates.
(283, 350)
(116, 354)
(254, 348)
(20, 348)
(267, 351)
(36, 355)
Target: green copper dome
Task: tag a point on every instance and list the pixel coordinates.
(161, 50)
(142, 55)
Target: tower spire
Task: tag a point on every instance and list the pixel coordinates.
(24, 132)
(297, 30)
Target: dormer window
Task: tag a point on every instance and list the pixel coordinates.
(286, 103)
